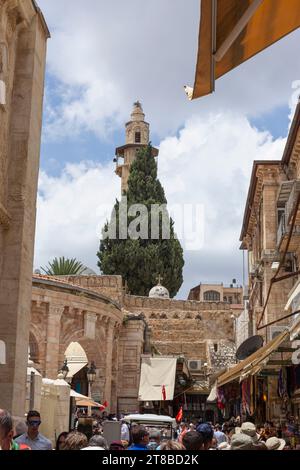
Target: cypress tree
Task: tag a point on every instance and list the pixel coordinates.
(139, 261)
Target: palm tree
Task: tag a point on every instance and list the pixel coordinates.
(64, 266)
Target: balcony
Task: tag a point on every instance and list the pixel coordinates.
(283, 233)
(291, 203)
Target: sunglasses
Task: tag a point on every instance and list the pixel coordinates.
(33, 423)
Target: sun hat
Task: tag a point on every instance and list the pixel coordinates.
(274, 443)
(250, 430)
(241, 441)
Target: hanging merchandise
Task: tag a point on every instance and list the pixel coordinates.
(220, 398)
(246, 395)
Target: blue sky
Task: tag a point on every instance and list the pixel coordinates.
(102, 56)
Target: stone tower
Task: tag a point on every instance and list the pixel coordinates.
(137, 136)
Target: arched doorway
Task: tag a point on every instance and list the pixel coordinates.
(77, 363)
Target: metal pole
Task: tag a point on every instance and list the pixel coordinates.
(90, 396)
(31, 400)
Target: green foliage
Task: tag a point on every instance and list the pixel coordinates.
(63, 266)
(140, 261)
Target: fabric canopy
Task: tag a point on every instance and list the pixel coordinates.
(157, 373)
(233, 31)
(89, 402)
(212, 397)
(78, 395)
(252, 364)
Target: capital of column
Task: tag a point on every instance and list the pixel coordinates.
(55, 310)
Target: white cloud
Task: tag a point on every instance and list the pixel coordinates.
(72, 209)
(105, 55)
(209, 163)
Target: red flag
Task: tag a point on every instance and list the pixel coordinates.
(163, 390)
(179, 415)
(105, 404)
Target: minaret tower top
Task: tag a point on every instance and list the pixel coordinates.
(137, 136)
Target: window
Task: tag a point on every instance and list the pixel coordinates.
(216, 347)
(212, 296)
(230, 300)
(137, 138)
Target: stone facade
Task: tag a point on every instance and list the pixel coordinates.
(272, 240)
(23, 36)
(115, 329)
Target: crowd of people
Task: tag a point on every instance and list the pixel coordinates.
(232, 435)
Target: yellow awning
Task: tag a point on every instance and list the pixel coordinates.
(254, 363)
(233, 31)
(88, 402)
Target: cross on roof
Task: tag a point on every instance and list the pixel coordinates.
(159, 279)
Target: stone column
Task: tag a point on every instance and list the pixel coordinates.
(24, 131)
(52, 345)
(115, 367)
(109, 333)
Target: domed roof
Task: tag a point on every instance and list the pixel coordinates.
(159, 292)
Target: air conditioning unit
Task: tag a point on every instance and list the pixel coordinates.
(195, 365)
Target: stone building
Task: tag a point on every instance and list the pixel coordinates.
(271, 236)
(23, 36)
(116, 329)
(232, 293)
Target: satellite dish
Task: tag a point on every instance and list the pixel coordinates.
(249, 346)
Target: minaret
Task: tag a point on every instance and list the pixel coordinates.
(137, 136)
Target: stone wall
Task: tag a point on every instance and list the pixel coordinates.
(185, 327)
(111, 286)
(23, 35)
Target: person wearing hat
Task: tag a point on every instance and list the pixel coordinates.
(274, 443)
(241, 441)
(250, 430)
(207, 433)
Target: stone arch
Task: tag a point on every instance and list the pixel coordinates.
(153, 315)
(34, 348)
(198, 317)
(163, 316)
(176, 316)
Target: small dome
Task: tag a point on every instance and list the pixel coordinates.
(88, 272)
(159, 292)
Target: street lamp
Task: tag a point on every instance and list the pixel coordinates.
(91, 376)
(65, 369)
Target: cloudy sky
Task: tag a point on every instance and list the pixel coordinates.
(103, 56)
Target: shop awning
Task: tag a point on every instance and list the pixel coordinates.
(89, 402)
(254, 363)
(156, 373)
(77, 395)
(233, 31)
